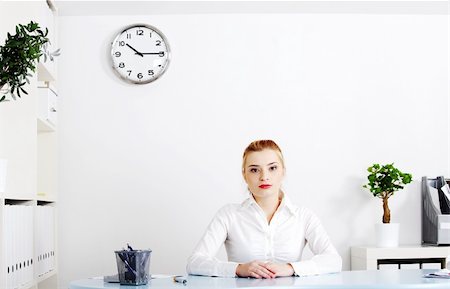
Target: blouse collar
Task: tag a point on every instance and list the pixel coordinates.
(285, 204)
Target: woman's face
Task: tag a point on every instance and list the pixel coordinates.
(263, 173)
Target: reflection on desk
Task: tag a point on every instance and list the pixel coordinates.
(384, 279)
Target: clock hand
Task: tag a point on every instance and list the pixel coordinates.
(137, 52)
(161, 53)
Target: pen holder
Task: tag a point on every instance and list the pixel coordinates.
(133, 266)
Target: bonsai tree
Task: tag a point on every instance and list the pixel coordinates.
(19, 55)
(384, 181)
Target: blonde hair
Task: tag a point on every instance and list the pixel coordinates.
(260, 145)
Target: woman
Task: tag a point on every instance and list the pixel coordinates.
(265, 235)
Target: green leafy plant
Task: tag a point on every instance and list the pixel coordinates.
(384, 181)
(19, 56)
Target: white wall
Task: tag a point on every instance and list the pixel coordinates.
(151, 164)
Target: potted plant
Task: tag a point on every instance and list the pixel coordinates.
(18, 57)
(383, 182)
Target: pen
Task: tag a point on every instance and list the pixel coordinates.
(180, 279)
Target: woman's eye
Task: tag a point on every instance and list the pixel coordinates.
(273, 168)
(253, 170)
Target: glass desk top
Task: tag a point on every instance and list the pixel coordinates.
(380, 279)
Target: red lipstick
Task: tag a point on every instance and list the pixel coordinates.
(265, 186)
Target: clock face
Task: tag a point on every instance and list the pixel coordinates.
(140, 54)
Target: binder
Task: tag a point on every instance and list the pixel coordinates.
(14, 248)
(30, 246)
(435, 223)
(45, 240)
(444, 202)
(8, 238)
(39, 245)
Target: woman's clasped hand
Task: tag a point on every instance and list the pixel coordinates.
(264, 269)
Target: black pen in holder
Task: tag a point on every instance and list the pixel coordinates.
(133, 266)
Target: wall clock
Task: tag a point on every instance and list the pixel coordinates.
(140, 54)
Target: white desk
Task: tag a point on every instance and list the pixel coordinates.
(375, 279)
(369, 258)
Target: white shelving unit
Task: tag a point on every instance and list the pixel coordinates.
(28, 141)
(406, 257)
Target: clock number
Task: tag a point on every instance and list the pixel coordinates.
(158, 42)
(140, 32)
(129, 72)
(150, 34)
(161, 54)
(139, 75)
(128, 35)
(118, 54)
(151, 72)
(121, 65)
(121, 43)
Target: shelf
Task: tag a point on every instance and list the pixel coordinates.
(370, 258)
(46, 276)
(44, 126)
(28, 206)
(45, 71)
(27, 285)
(400, 252)
(47, 109)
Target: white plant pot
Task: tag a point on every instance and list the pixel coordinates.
(3, 167)
(387, 235)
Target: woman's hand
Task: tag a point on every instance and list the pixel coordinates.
(255, 269)
(280, 269)
(264, 269)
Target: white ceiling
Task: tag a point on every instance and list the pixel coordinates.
(142, 7)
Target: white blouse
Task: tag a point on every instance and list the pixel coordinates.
(248, 237)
